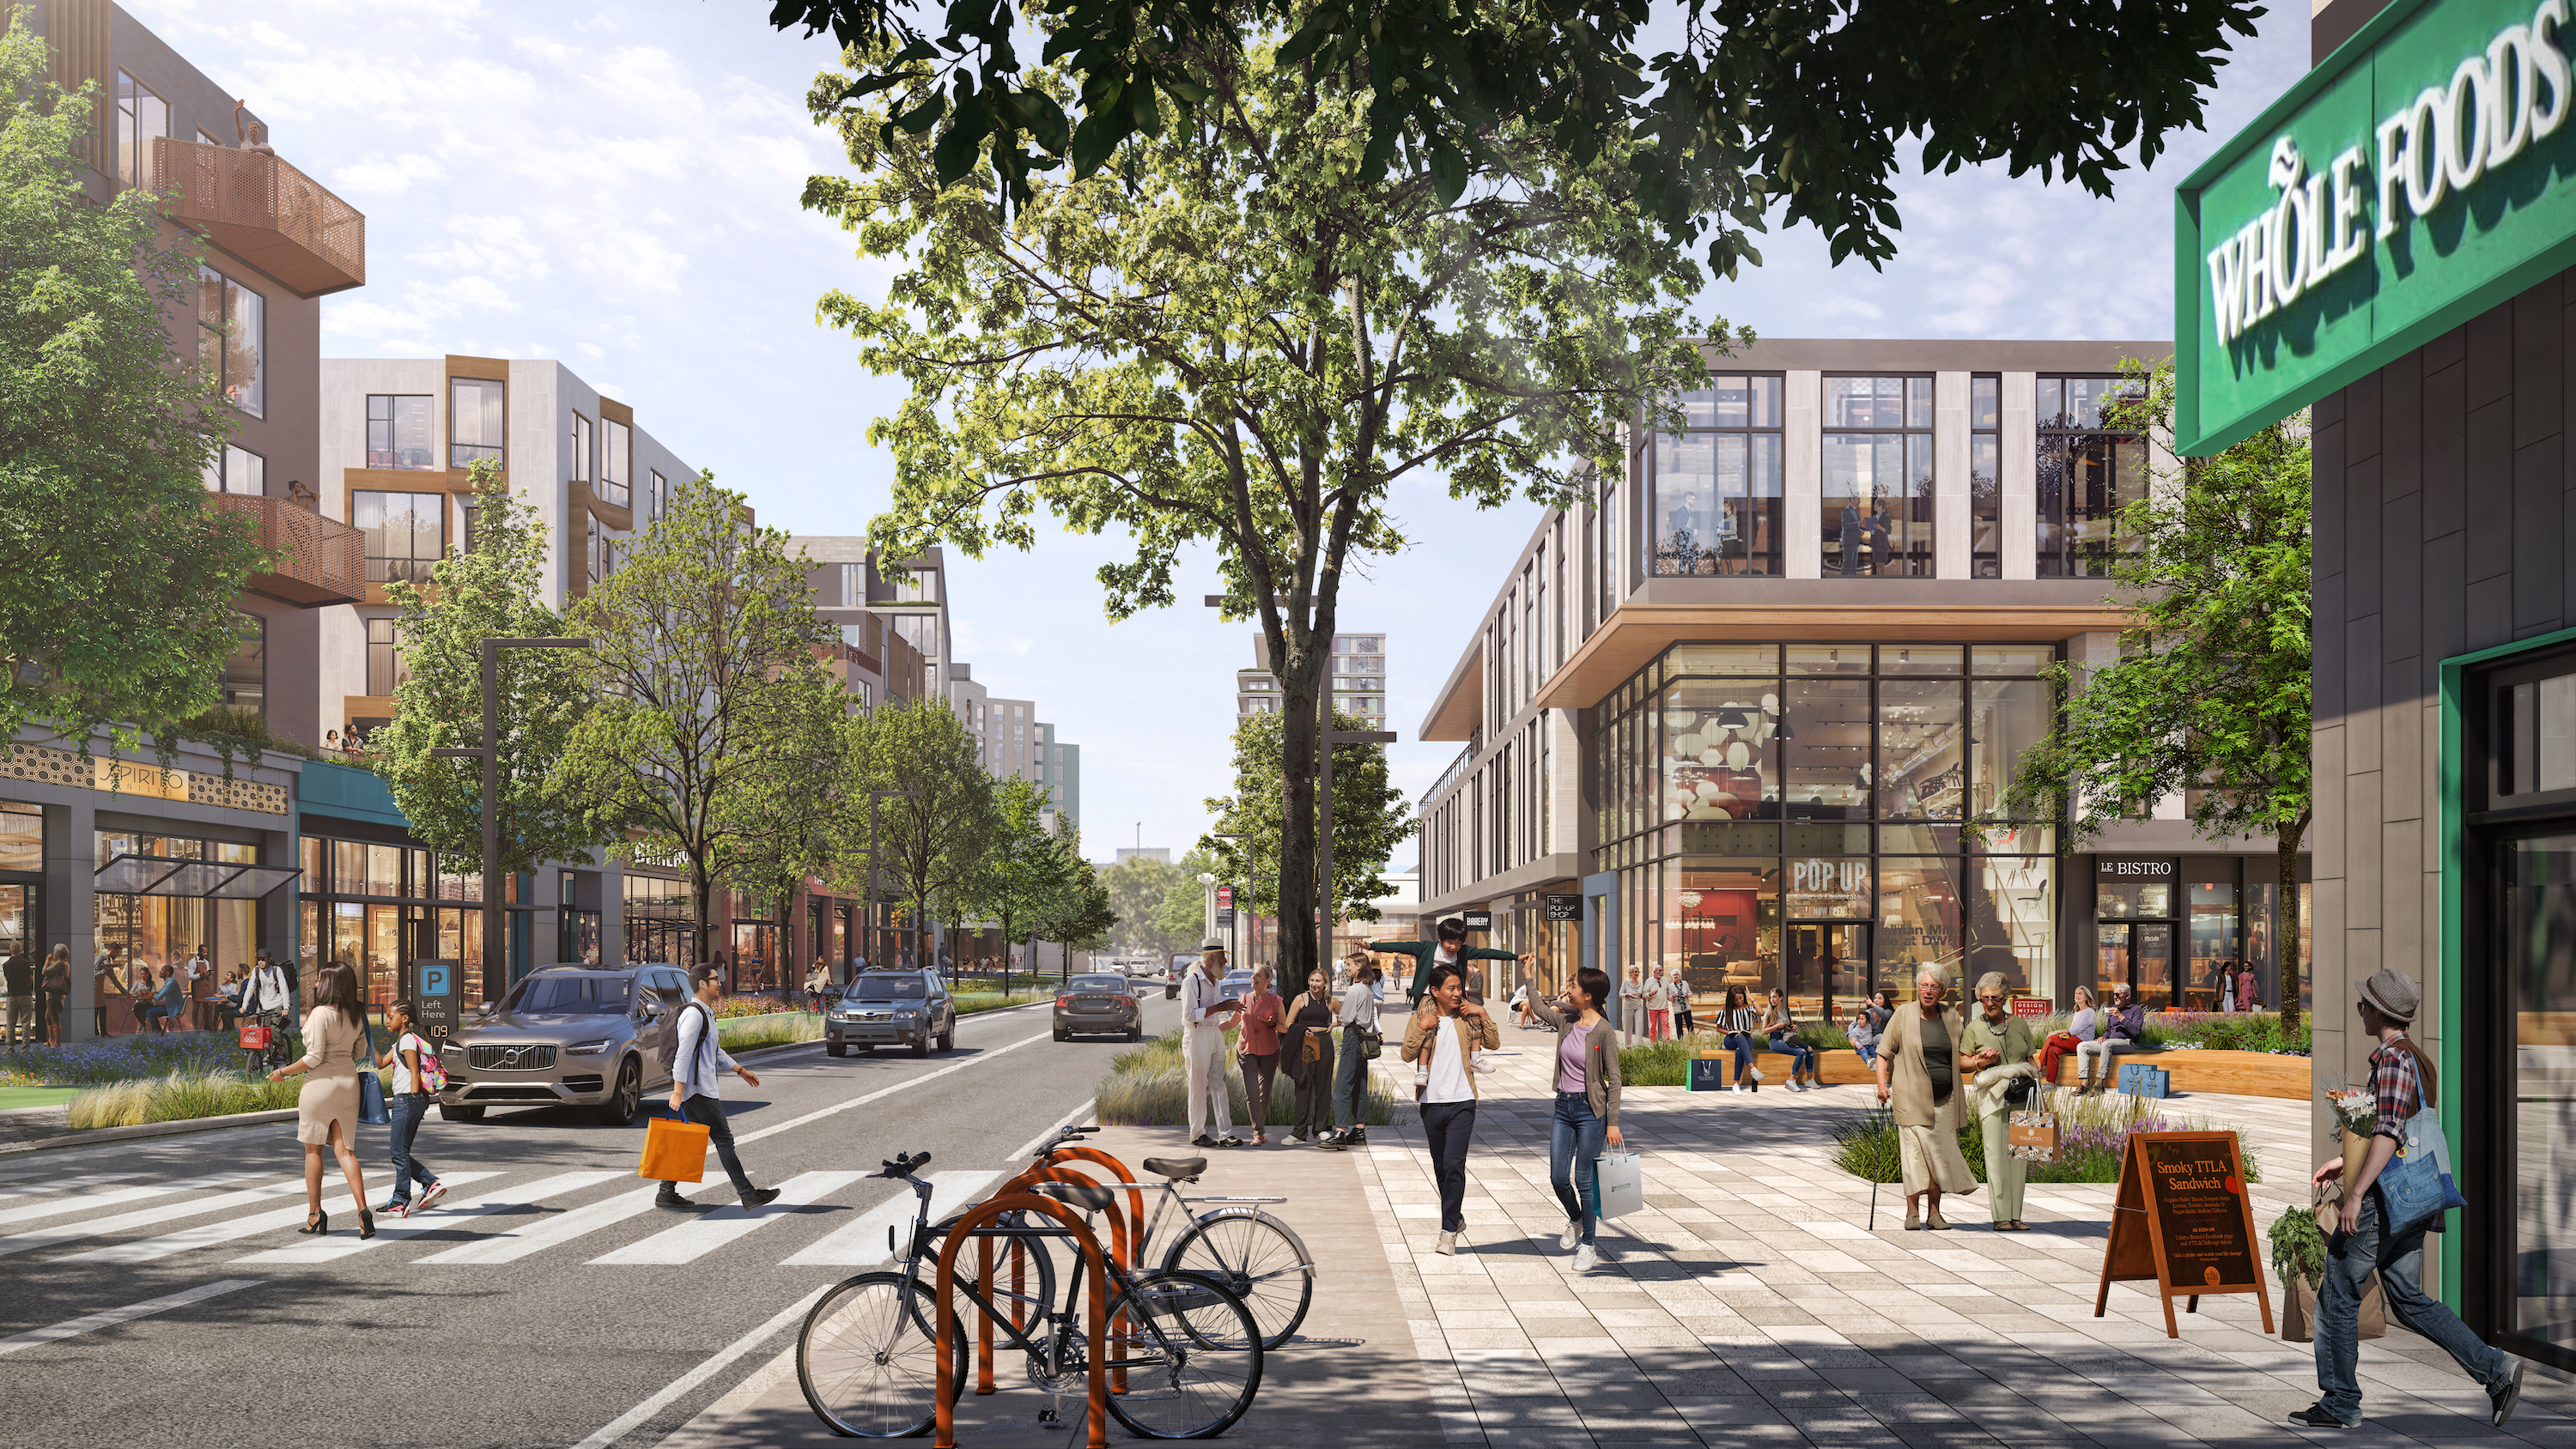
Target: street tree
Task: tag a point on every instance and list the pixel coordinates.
(785, 826)
(711, 709)
(1240, 342)
(116, 594)
(491, 591)
(1182, 916)
(2210, 699)
(1796, 96)
(1136, 888)
(922, 808)
(1077, 914)
(1021, 869)
(1370, 819)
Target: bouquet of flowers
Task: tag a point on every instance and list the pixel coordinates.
(2356, 1109)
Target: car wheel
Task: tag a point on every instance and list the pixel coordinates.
(621, 1106)
(1062, 1035)
(948, 1038)
(835, 1049)
(453, 1113)
(1135, 1034)
(921, 1043)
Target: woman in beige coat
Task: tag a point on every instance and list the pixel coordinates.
(326, 1113)
(1918, 1065)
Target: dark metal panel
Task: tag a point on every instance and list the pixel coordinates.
(2539, 547)
(2488, 490)
(2443, 423)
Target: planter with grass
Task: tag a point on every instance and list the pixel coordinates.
(2092, 1132)
(1148, 1086)
(178, 1097)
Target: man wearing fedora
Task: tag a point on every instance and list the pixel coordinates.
(1205, 1009)
(2403, 1080)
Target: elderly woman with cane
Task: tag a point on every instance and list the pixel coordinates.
(1918, 1072)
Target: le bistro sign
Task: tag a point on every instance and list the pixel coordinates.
(2412, 181)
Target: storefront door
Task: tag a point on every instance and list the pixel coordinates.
(1827, 972)
(2537, 917)
(2139, 953)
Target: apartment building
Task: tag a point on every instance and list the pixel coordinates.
(1752, 712)
(1058, 767)
(1358, 678)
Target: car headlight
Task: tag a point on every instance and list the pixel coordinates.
(450, 1049)
(588, 1048)
(909, 1015)
(844, 1014)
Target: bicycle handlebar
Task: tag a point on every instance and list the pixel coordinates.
(1062, 1136)
(904, 1165)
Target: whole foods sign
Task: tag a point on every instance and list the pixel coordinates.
(2418, 177)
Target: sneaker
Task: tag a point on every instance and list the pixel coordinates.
(1738, 1087)
(1447, 1247)
(2315, 1417)
(395, 1208)
(1586, 1258)
(2505, 1395)
(1572, 1237)
(759, 1197)
(1796, 1086)
(431, 1195)
(1202, 1140)
(672, 1202)
(1756, 1074)
(1355, 1137)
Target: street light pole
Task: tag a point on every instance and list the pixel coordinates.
(495, 920)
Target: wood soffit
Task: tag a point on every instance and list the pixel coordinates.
(408, 480)
(495, 368)
(614, 411)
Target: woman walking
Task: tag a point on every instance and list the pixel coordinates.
(1999, 1046)
(1587, 1108)
(1440, 1039)
(1257, 1051)
(1918, 1067)
(1867, 1027)
(54, 993)
(1781, 1029)
(326, 1113)
(407, 1099)
(1743, 1028)
(1308, 1047)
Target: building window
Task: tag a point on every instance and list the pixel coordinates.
(1877, 510)
(231, 320)
(1716, 485)
(601, 551)
(399, 433)
(616, 462)
(2087, 474)
(245, 676)
(406, 533)
(237, 470)
(385, 671)
(140, 116)
(577, 450)
(476, 415)
(1985, 478)
(661, 490)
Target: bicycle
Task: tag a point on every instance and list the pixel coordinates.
(1260, 1257)
(1185, 1346)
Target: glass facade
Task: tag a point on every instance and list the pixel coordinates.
(2087, 474)
(378, 907)
(1877, 512)
(1717, 483)
(138, 935)
(1826, 819)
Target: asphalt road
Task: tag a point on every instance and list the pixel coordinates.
(533, 1308)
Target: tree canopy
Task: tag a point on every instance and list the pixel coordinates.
(921, 807)
(1370, 819)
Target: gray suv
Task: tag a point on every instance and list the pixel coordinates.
(568, 1036)
(891, 1008)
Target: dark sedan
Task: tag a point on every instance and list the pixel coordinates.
(1098, 1005)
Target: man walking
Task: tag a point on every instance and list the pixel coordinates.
(696, 1063)
(1205, 1009)
(1350, 1068)
(1450, 950)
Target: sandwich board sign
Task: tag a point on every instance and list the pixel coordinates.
(2183, 1221)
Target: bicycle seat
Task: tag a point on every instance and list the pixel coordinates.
(1091, 1197)
(1186, 1169)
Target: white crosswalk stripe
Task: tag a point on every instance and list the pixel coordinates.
(510, 1247)
(206, 1235)
(862, 1244)
(448, 1216)
(54, 1207)
(32, 1189)
(691, 1241)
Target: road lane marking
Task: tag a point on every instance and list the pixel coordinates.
(510, 1247)
(151, 1217)
(453, 1214)
(145, 1250)
(1073, 1118)
(54, 1207)
(862, 1244)
(978, 1059)
(694, 1240)
(625, 1424)
(72, 1327)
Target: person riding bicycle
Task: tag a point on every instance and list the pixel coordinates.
(267, 1000)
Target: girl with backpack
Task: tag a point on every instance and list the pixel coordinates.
(414, 1080)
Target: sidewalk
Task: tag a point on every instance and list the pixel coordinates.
(1750, 1304)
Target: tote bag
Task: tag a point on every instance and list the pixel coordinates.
(2416, 1184)
(1622, 1178)
(675, 1150)
(371, 1088)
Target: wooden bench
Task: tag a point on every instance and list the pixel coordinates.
(2242, 1074)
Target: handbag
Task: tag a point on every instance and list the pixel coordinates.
(1372, 1043)
(371, 1088)
(2416, 1184)
(1620, 1183)
(675, 1150)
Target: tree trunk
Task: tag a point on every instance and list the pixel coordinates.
(1300, 731)
(2286, 934)
(700, 891)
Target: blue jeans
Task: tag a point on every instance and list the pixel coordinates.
(407, 1110)
(1574, 1156)
(2400, 1263)
(1868, 1054)
(1447, 1128)
(1802, 1059)
(1743, 1046)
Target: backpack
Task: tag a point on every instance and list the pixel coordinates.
(432, 1076)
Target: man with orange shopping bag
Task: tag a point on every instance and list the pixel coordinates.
(696, 1064)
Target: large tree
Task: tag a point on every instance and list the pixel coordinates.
(1370, 819)
(1022, 868)
(1076, 914)
(2210, 700)
(118, 570)
(488, 592)
(1240, 342)
(1136, 887)
(1816, 103)
(921, 808)
(712, 709)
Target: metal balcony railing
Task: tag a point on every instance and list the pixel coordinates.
(319, 560)
(264, 211)
(1449, 777)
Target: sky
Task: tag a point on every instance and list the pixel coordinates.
(617, 186)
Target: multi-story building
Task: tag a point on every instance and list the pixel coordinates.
(1358, 678)
(1058, 767)
(1758, 704)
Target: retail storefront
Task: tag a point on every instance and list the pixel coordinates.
(374, 898)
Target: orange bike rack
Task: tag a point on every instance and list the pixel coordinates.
(1075, 1152)
(945, 1322)
(1121, 1247)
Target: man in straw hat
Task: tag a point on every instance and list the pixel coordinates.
(2403, 1080)
(1205, 1009)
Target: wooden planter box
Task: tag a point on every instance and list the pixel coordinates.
(2241, 1074)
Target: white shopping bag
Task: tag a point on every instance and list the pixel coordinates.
(1623, 1184)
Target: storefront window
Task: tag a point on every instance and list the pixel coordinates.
(1923, 751)
(22, 837)
(1722, 924)
(2014, 922)
(1825, 748)
(2212, 940)
(1717, 750)
(1918, 920)
(2007, 716)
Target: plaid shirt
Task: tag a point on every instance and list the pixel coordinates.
(2394, 1081)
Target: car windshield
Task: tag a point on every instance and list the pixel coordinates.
(889, 988)
(1099, 983)
(567, 996)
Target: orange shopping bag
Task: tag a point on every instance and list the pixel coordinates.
(675, 1150)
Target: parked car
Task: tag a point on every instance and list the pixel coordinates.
(1181, 968)
(571, 1034)
(891, 1008)
(1098, 1006)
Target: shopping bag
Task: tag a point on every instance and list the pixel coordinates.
(675, 1150)
(2299, 1310)
(1622, 1182)
(2032, 1135)
(371, 1090)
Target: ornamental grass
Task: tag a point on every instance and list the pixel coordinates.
(2092, 1133)
(1148, 1086)
(179, 1097)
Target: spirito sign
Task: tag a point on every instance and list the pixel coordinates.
(2410, 182)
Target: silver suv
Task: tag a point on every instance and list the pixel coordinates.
(571, 1036)
(891, 1008)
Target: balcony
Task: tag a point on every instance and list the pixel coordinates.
(319, 560)
(264, 211)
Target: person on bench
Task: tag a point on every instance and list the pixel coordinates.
(2124, 1025)
(2080, 1028)
(1743, 1028)
(1870, 1025)
(1780, 1027)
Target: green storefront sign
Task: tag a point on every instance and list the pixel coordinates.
(2423, 174)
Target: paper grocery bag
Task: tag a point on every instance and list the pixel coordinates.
(2299, 1311)
(674, 1151)
(1622, 1183)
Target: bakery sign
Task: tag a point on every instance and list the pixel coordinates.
(2415, 179)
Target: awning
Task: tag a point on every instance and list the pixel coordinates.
(214, 880)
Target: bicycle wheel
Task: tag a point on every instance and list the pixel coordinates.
(1260, 1259)
(867, 1358)
(1033, 1298)
(1191, 1354)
